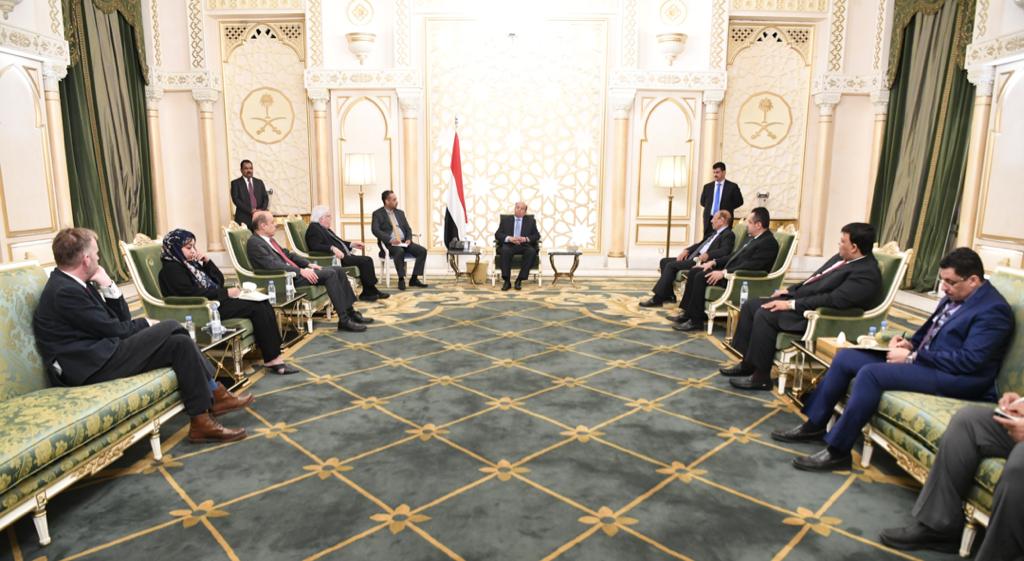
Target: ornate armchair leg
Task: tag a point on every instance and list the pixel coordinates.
(869, 448)
(39, 519)
(831, 421)
(154, 442)
(783, 374)
(967, 539)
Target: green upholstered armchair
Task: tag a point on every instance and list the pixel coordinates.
(517, 260)
(143, 259)
(826, 322)
(909, 425)
(295, 230)
(739, 230)
(759, 283)
(236, 236)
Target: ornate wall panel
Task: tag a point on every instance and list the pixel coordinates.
(1000, 207)
(265, 109)
(532, 113)
(780, 5)
(764, 119)
(365, 126)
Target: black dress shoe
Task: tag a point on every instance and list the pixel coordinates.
(671, 299)
(688, 325)
(739, 370)
(383, 295)
(802, 433)
(518, 285)
(680, 318)
(418, 283)
(358, 317)
(347, 324)
(506, 285)
(283, 369)
(749, 383)
(652, 303)
(369, 297)
(401, 284)
(824, 460)
(920, 536)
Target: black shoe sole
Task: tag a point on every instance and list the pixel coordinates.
(734, 373)
(815, 437)
(839, 466)
(941, 547)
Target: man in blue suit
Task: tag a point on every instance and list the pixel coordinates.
(956, 353)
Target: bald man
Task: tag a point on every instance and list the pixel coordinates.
(517, 235)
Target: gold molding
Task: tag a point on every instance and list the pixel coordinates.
(343, 113)
(739, 115)
(743, 35)
(1006, 81)
(682, 239)
(688, 113)
(291, 123)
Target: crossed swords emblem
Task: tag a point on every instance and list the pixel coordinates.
(266, 100)
(764, 126)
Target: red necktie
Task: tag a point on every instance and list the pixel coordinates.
(818, 276)
(281, 252)
(252, 194)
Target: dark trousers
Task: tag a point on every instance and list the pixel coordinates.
(693, 300)
(669, 267)
(164, 344)
(972, 436)
(871, 376)
(398, 254)
(338, 288)
(367, 271)
(756, 332)
(264, 323)
(508, 250)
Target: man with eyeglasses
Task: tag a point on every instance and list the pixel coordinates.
(956, 353)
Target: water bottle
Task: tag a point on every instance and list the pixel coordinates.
(215, 327)
(744, 293)
(872, 332)
(191, 327)
(289, 287)
(335, 261)
(272, 292)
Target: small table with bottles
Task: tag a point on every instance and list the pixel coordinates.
(227, 343)
(294, 317)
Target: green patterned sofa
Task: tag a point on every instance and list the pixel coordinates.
(51, 437)
(909, 425)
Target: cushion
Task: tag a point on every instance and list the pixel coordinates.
(21, 368)
(146, 259)
(923, 416)
(40, 427)
(297, 230)
(1010, 283)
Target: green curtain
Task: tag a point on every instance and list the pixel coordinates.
(106, 134)
(921, 170)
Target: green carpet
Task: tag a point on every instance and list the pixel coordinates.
(481, 425)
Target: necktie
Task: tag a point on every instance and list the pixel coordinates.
(252, 194)
(950, 308)
(518, 228)
(818, 276)
(277, 247)
(708, 243)
(718, 199)
(396, 230)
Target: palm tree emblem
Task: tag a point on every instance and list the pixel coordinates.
(764, 126)
(267, 100)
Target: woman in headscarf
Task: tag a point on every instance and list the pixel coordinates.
(187, 271)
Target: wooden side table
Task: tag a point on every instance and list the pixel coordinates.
(571, 274)
(231, 341)
(453, 262)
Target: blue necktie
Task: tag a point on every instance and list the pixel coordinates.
(518, 228)
(718, 198)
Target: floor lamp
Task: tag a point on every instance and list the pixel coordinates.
(670, 173)
(360, 170)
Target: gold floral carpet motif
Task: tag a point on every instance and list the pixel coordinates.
(468, 423)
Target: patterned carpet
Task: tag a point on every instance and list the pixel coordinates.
(481, 425)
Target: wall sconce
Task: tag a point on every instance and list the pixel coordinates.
(671, 45)
(361, 44)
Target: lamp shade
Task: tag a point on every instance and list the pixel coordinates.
(360, 169)
(671, 172)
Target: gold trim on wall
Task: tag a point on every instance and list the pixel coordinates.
(685, 201)
(678, 239)
(1006, 81)
(343, 113)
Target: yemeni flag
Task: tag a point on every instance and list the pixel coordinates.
(455, 216)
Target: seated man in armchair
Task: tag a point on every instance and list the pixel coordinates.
(517, 235)
(717, 244)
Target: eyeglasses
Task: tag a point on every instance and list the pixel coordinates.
(951, 282)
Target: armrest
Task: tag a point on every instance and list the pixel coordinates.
(185, 300)
(315, 254)
(837, 313)
(742, 274)
(274, 272)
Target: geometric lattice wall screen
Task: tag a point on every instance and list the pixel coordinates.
(531, 127)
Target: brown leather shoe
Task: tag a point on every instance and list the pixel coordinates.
(225, 401)
(204, 428)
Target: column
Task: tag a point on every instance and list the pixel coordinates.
(156, 157)
(826, 103)
(320, 97)
(52, 75)
(983, 78)
(205, 98)
(622, 103)
(880, 100)
(709, 147)
(409, 102)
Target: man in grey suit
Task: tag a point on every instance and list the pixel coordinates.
(265, 253)
(392, 229)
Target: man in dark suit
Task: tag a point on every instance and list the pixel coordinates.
(717, 244)
(956, 353)
(757, 253)
(86, 335)
(248, 194)
(517, 235)
(718, 195)
(973, 435)
(392, 229)
(850, 279)
(320, 237)
(265, 253)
